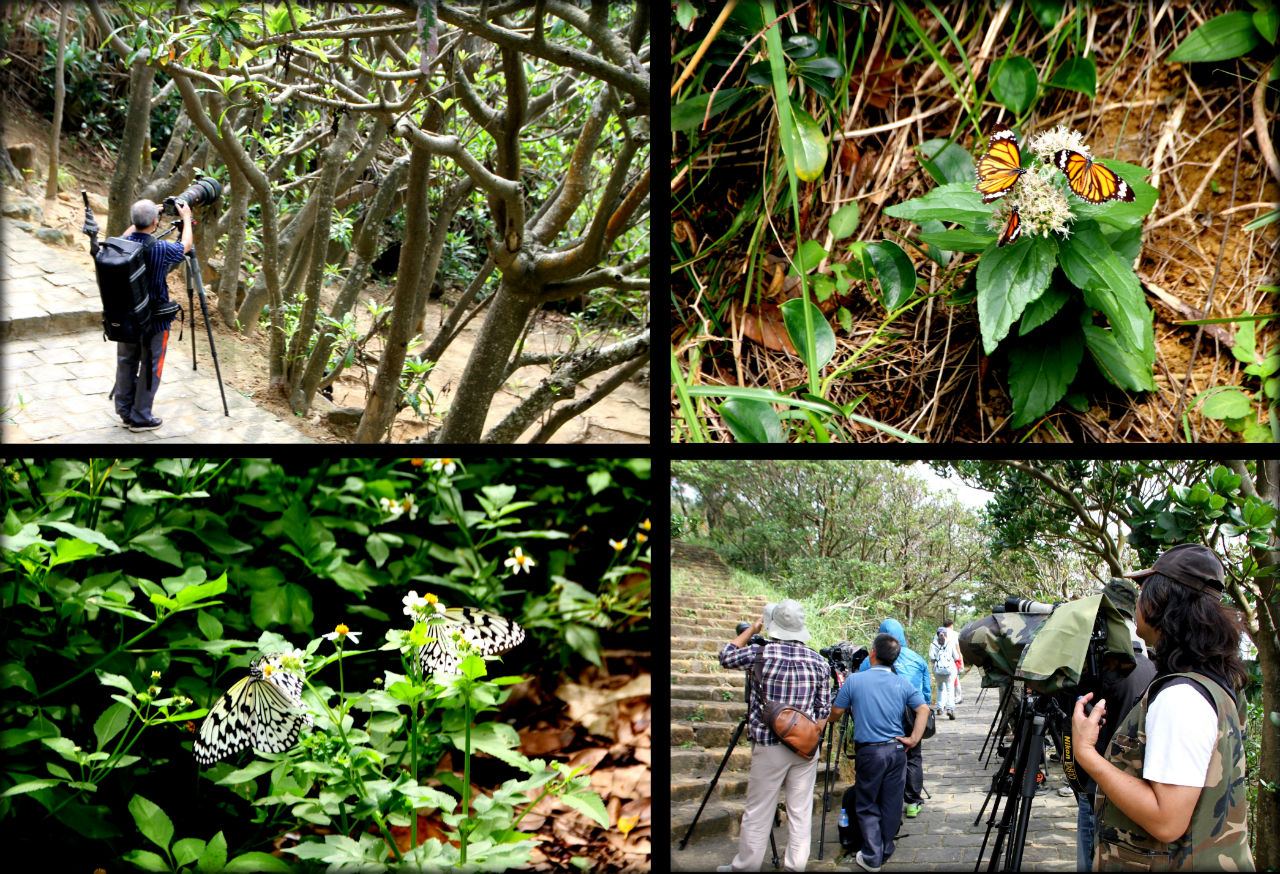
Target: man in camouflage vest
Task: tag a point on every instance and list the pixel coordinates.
(1171, 785)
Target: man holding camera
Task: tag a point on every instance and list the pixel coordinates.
(135, 389)
(795, 675)
(877, 698)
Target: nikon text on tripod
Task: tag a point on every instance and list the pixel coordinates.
(201, 193)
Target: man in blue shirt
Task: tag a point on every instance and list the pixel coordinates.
(134, 393)
(877, 698)
(913, 666)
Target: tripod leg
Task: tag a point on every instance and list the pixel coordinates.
(773, 846)
(193, 270)
(733, 744)
(827, 779)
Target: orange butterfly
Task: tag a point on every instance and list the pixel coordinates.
(1001, 166)
(1012, 229)
(1090, 181)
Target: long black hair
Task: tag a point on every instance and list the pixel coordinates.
(1197, 632)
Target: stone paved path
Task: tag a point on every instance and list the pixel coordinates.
(56, 370)
(706, 704)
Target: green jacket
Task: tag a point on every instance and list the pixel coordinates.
(1217, 838)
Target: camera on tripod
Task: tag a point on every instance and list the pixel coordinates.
(844, 657)
(201, 193)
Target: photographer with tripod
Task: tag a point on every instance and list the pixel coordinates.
(136, 387)
(791, 674)
(877, 697)
(1171, 786)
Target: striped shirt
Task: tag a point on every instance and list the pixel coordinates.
(162, 256)
(792, 674)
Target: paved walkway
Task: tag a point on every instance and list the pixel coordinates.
(57, 371)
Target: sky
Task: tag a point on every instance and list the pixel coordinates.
(970, 497)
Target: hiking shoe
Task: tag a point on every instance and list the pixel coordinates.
(863, 864)
(951, 714)
(146, 426)
(913, 810)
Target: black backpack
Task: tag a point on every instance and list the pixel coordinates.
(851, 834)
(122, 282)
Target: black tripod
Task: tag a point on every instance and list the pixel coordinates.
(733, 744)
(1017, 780)
(193, 279)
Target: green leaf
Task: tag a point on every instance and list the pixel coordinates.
(1077, 74)
(1121, 366)
(1015, 84)
(809, 146)
(112, 721)
(1009, 279)
(1228, 36)
(1229, 404)
(689, 114)
(824, 339)
(1108, 284)
(14, 674)
(844, 222)
(895, 274)
(1041, 368)
(152, 821)
(86, 534)
(751, 421)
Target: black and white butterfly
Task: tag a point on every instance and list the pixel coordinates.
(489, 633)
(264, 710)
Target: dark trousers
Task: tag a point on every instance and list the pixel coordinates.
(882, 780)
(133, 396)
(915, 775)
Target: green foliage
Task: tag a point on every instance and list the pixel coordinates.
(136, 590)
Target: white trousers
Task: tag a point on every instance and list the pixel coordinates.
(946, 691)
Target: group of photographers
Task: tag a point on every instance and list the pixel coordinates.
(1164, 780)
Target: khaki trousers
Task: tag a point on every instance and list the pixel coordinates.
(775, 768)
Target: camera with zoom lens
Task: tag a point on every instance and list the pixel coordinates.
(844, 656)
(201, 193)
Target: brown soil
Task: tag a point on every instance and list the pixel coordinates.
(622, 417)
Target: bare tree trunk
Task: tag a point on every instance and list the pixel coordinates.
(229, 281)
(59, 97)
(381, 409)
(129, 158)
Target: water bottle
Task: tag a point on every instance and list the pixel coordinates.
(844, 818)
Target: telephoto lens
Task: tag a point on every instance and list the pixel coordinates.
(200, 193)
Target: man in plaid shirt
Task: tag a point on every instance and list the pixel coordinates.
(795, 675)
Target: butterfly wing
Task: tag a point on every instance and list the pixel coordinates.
(276, 716)
(1001, 166)
(1089, 180)
(1012, 229)
(487, 632)
(227, 728)
(263, 710)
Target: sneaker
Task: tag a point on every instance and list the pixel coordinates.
(913, 810)
(951, 714)
(863, 864)
(1065, 791)
(146, 426)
